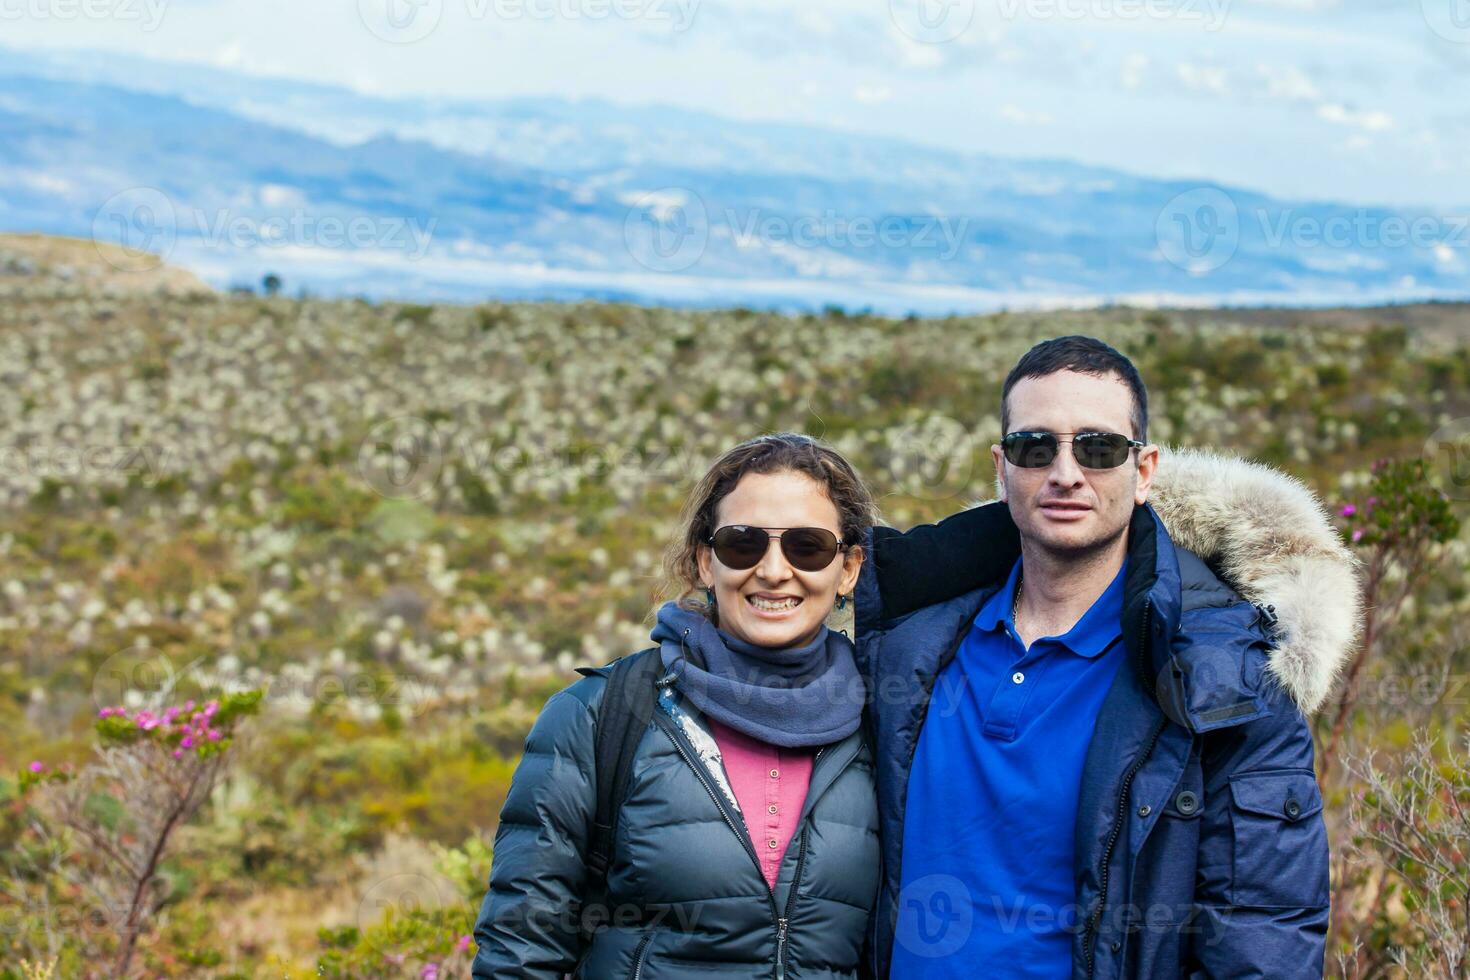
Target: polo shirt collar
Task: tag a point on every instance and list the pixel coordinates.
(1098, 628)
(997, 609)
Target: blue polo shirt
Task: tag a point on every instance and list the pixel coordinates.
(986, 883)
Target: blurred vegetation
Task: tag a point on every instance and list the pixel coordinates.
(407, 523)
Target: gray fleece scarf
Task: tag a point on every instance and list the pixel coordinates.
(794, 697)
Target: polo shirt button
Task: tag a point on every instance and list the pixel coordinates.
(1117, 945)
(775, 774)
(1145, 810)
(771, 844)
(771, 808)
(1017, 677)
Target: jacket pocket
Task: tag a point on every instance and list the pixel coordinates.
(1279, 841)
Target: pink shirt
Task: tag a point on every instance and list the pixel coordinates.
(770, 784)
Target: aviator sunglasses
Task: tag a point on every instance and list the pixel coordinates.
(1094, 450)
(740, 546)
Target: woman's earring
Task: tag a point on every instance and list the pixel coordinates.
(841, 601)
(709, 596)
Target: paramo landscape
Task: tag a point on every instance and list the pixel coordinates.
(284, 581)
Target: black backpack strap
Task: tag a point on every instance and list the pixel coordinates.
(627, 707)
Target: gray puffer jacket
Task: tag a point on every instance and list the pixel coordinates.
(686, 896)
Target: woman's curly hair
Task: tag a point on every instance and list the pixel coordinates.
(778, 453)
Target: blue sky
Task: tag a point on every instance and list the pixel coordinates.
(1354, 100)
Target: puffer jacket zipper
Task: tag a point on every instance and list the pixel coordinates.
(1104, 873)
(640, 954)
(781, 923)
(688, 756)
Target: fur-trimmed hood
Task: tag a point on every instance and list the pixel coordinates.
(1268, 535)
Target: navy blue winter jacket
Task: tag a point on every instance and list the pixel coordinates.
(1200, 844)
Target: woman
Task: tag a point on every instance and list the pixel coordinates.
(746, 844)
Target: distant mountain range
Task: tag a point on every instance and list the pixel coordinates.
(234, 177)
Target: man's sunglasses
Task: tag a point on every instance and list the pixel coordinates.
(1094, 450)
(740, 546)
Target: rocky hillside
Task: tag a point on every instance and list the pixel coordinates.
(409, 522)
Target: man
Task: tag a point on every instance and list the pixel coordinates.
(1092, 755)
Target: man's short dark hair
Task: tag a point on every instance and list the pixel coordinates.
(1085, 355)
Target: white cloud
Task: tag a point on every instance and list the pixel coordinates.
(1371, 121)
(281, 196)
(1016, 114)
(1133, 69)
(231, 55)
(1141, 94)
(872, 94)
(1288, 83)
(1203, 78)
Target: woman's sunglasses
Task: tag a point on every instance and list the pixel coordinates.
(740, 546)
(1094, 450)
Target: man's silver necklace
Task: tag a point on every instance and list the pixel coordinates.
(1016, 604)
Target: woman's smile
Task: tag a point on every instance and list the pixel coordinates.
(773, 605)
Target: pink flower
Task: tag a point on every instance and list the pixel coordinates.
(1357, 535)
(187, 742)
(1348, 510)
(178, 753)
(429, 972)
(38, 767)
(463, 944)
(214, 735)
